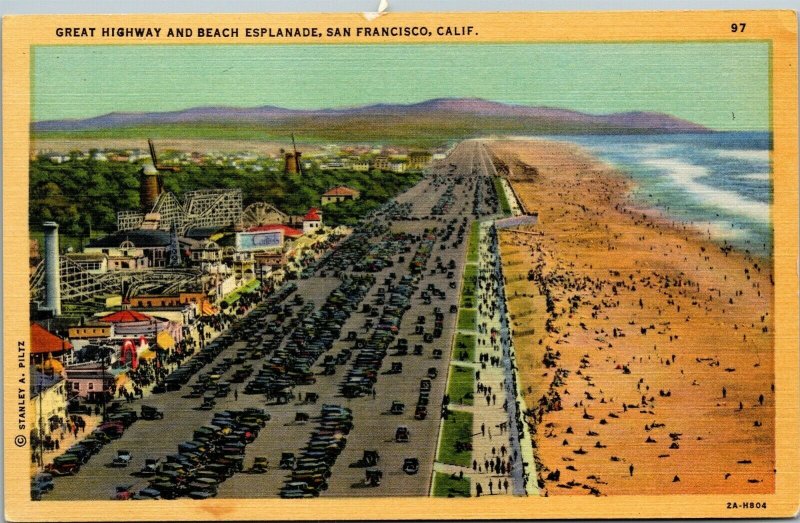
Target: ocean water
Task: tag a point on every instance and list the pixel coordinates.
(720, 183)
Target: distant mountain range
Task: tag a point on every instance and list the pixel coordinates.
(444, 117)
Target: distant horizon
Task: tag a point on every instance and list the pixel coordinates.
(690, 81)
(349, 107)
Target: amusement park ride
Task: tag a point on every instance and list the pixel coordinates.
(163, 210)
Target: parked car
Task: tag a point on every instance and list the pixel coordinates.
(402, 434)
(373, 477)
(43, 481)
(122, 459)
(298, 489)
(151, 467)
(64, 465)
(147, 493)
(151, 413)
(123, 493)
(288, 460)
(411, 466)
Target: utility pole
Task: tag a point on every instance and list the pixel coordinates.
(174, 247)
(103, 387)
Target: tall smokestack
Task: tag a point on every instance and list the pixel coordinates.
(52, 267)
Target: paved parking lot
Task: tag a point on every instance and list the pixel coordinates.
(374, 427)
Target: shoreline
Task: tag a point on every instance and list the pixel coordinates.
(640, 205)
(605, 347)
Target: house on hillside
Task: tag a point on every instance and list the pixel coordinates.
(339, 193)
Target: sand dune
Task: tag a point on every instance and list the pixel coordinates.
(645, 350)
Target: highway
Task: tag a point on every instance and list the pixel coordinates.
(454, 193)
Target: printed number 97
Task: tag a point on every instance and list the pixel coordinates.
(738, 28)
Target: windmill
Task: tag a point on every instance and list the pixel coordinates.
(151, 183)
(292, 163)
(154, 157)
(297, 157)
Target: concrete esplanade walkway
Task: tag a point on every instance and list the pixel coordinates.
(499, 437)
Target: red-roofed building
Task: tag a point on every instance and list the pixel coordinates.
(288, 232)
(133, 324)
(126, 317)
(44, 343)
(339, 193)
(312, 221)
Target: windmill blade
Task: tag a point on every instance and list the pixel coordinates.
(152, 152)
(170, 168)
(296, 158)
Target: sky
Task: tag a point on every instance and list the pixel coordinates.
(724, 86)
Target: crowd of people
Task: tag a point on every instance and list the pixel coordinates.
(621, 315)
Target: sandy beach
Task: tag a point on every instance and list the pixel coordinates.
(645, 349)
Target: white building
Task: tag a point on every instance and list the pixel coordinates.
(312, 221)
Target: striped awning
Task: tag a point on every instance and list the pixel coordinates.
(207, 309)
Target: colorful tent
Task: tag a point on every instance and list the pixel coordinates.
(207, 309)
(126, 317)
(44, 341)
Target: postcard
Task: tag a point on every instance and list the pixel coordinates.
(419, 266)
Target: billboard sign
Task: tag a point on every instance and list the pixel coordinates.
(259, 241)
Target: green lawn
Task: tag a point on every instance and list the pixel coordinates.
(469, 287)
(501, 195)
(445, 486)
(461, 386)
(472, 246)
(457, 428)
(467, 319)
(464, 342)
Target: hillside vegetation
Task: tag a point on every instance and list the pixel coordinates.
(84, 195)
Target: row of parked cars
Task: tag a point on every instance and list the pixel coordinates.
(445, 201)
(450, 228)
(363, 374)
(181, 375)
(354, 248)
(420, 259)
(485, 203)
(118, 418)
(398, 211)
(314, 334)
(381, 254)
(215, 453)
(312, 468)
